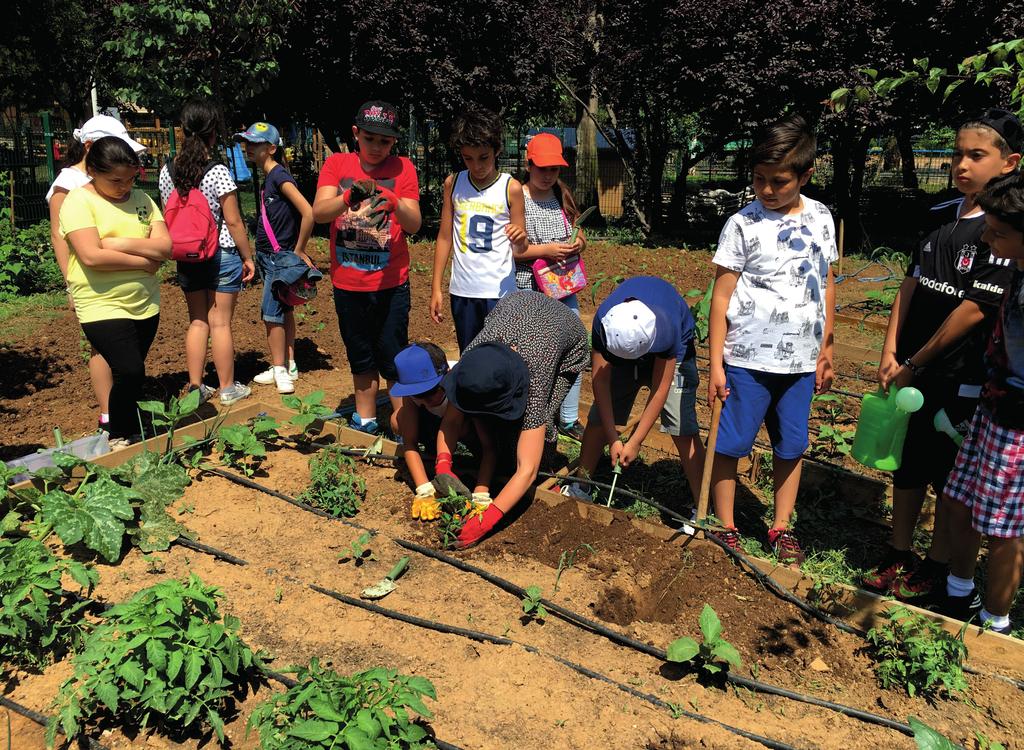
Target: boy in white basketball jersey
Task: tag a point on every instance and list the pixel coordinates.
(483, 219)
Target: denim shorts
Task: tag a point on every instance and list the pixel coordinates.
(221, 273)
(272, 310)
(374, 327)
(782, 401)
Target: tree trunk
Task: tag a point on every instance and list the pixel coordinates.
(907, 165)
(586, 154)
(677, 205)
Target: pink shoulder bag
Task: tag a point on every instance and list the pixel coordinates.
(560, 278)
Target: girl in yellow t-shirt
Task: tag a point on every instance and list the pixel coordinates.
(117, 240)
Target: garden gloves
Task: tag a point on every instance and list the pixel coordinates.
(445, 480)
(425, 506)
(480, 501)
(477, 526)
(360, 191)
(382, 203)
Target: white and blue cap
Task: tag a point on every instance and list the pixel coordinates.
(260, 132)
(629, 329)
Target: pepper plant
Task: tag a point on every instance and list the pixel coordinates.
(325, 710)
(333, 484)
(310, 408)
(166, 656)
(39, 620)
(244, 446)
(714, 654)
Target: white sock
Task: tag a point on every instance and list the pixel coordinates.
(104, 417)
(996, 621)
(292, 365)
(959, 586)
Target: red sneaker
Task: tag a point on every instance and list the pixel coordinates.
(883, 576)
(730, 535)
(925, 586)
(787, 548)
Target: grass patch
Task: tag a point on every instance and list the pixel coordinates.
(24, 316)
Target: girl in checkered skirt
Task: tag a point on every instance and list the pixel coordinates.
(987, 483)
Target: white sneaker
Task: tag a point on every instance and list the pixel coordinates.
(267, 376)
(234, 393)
(284, 380)
(576, 490)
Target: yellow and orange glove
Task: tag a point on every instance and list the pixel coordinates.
(425, 506)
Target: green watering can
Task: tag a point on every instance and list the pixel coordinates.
(882, 427)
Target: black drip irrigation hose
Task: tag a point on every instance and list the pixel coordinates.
(42, 720)
(763, 578)
(587, 624)
(212, 551)
(645, 648)
(499, 640)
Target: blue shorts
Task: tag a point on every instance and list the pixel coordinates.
(374, 327)
(221, 273)
(271, 310)
(468, 315)
(779, 400)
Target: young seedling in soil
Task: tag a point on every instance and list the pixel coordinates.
(567, 560)
(358, 551)
(333, 484)
(454, 508)
(171, 415)
(927, 738)
(532, 607)
(309, 409)
(327, 711)
(714, 654)
(918, 655)
(165, 657)
(243, 447)
(832, 440)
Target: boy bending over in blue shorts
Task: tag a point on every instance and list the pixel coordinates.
(771, 324)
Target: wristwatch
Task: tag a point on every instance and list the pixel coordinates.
(912, 367)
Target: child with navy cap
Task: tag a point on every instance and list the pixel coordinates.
(643, 336)
(421, 367)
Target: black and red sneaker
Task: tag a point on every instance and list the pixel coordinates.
(894, 564)
(786, 547)
(923, 587)
(730, 535)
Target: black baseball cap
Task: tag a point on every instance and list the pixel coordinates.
(489, 380)
(1007, 125)
(377, 117)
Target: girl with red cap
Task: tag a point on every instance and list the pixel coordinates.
(550, 213)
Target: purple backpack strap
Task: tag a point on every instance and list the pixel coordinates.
(266, 226)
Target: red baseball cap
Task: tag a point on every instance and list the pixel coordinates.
(545, 150)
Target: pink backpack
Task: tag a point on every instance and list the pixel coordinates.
(195, 236)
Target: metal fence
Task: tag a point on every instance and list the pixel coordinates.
(33, 145)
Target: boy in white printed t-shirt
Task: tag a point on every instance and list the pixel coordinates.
(484, 219)
(771, 324)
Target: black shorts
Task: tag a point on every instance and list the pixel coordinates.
(374, 327)
(929, 455)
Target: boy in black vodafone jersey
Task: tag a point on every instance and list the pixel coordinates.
(938, 328)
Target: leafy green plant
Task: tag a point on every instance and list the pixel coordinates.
(310, 408)
(918, 655)
(243, 447)
(359, 551)
(532, 606)
(333, 484)
(166, 656)
(108, 504)
(714, 654)
(369, 710)
(927, 738)
(567, 560)
(982, 742)
(172, 414)
(453, 513)
(702, 312)
(27, 263)
(832, 439)
(39, 620)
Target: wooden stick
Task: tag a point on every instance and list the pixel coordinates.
(709, 460)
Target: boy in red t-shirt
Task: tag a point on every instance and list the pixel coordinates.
(372, 200)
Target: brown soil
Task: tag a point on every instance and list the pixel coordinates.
(504, 697)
